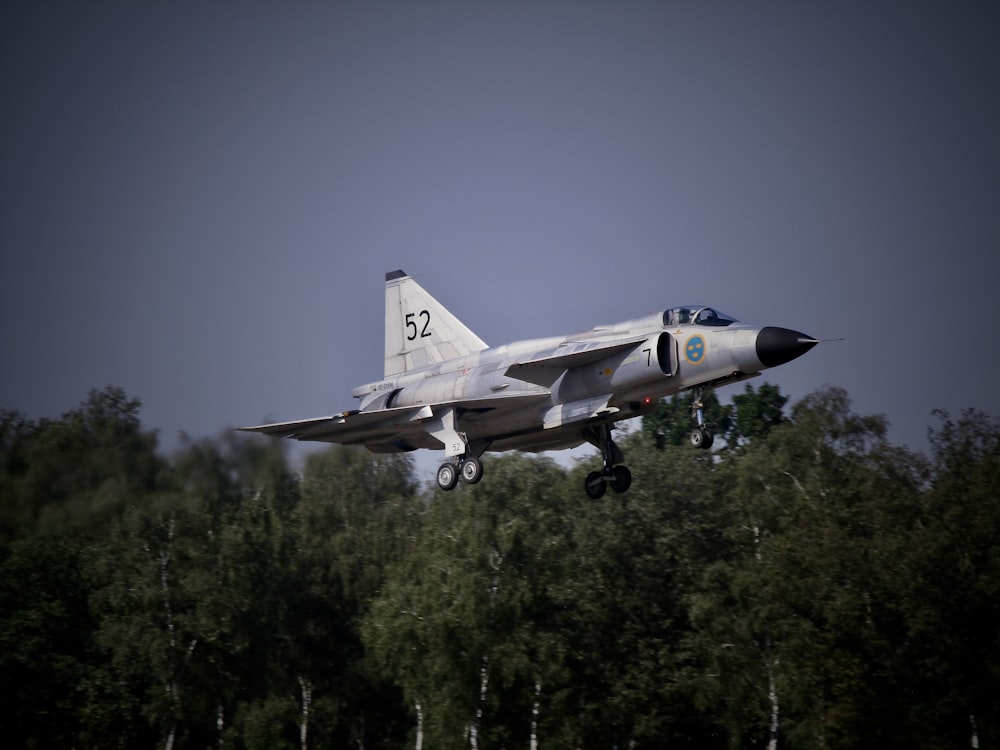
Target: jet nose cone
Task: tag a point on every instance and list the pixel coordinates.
(775, 346)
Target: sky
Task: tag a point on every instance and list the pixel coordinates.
(199, 201)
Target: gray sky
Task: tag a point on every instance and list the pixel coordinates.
(199, 202)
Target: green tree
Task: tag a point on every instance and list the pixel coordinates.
(465, 622)
(949, 589)
(798, 629)
(634, 564)
(77, 472)
(357, 515)
(45, 649)
(191, 589)
(756, 413)
(62, 483)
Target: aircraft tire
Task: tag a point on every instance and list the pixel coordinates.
(621, 479)
(701, 438)
(595, 486)
(447, 476)
(472, 470)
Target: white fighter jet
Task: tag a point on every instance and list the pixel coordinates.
(445, 389)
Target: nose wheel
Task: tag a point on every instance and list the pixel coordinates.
(701, 436)
(467, 468)
(613, 473)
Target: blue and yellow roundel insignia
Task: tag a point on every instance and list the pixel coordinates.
(694, 350)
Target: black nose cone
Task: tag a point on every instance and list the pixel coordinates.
(775, 346)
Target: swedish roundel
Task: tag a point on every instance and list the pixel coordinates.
(694, 350)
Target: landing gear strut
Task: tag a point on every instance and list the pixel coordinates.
(701, 436)
(618, 476)
(468, 468)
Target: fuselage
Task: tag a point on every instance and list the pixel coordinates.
(539, 393)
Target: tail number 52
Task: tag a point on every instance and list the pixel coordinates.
(413, 330)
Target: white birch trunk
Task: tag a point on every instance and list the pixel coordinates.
(306, 688)
(772, 696)
(496, 563)
(420, 726)
(484, 681)
(533, 743)
(772, 690)
(176, 669)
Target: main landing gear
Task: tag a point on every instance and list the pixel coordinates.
(701, 436)
(613, 473)
(463, 461)
(469, 468)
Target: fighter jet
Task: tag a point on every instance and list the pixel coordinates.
(443, 388)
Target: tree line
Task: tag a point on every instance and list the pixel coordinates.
(805, 584)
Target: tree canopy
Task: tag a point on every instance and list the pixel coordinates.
(806, 583)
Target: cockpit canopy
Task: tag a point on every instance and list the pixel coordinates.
(696, 315)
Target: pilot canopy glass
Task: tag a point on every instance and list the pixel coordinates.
(696, 315)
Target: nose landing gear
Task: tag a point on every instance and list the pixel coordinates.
(701, 436)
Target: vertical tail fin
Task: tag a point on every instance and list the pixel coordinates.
(419, 330)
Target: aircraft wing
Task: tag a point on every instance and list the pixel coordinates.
(383, 425)
(545, 369)
(346, 427)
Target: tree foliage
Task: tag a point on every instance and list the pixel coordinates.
(806, 584)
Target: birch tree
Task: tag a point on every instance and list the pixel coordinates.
(798, 626)
(461, 621)
(357, 514)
